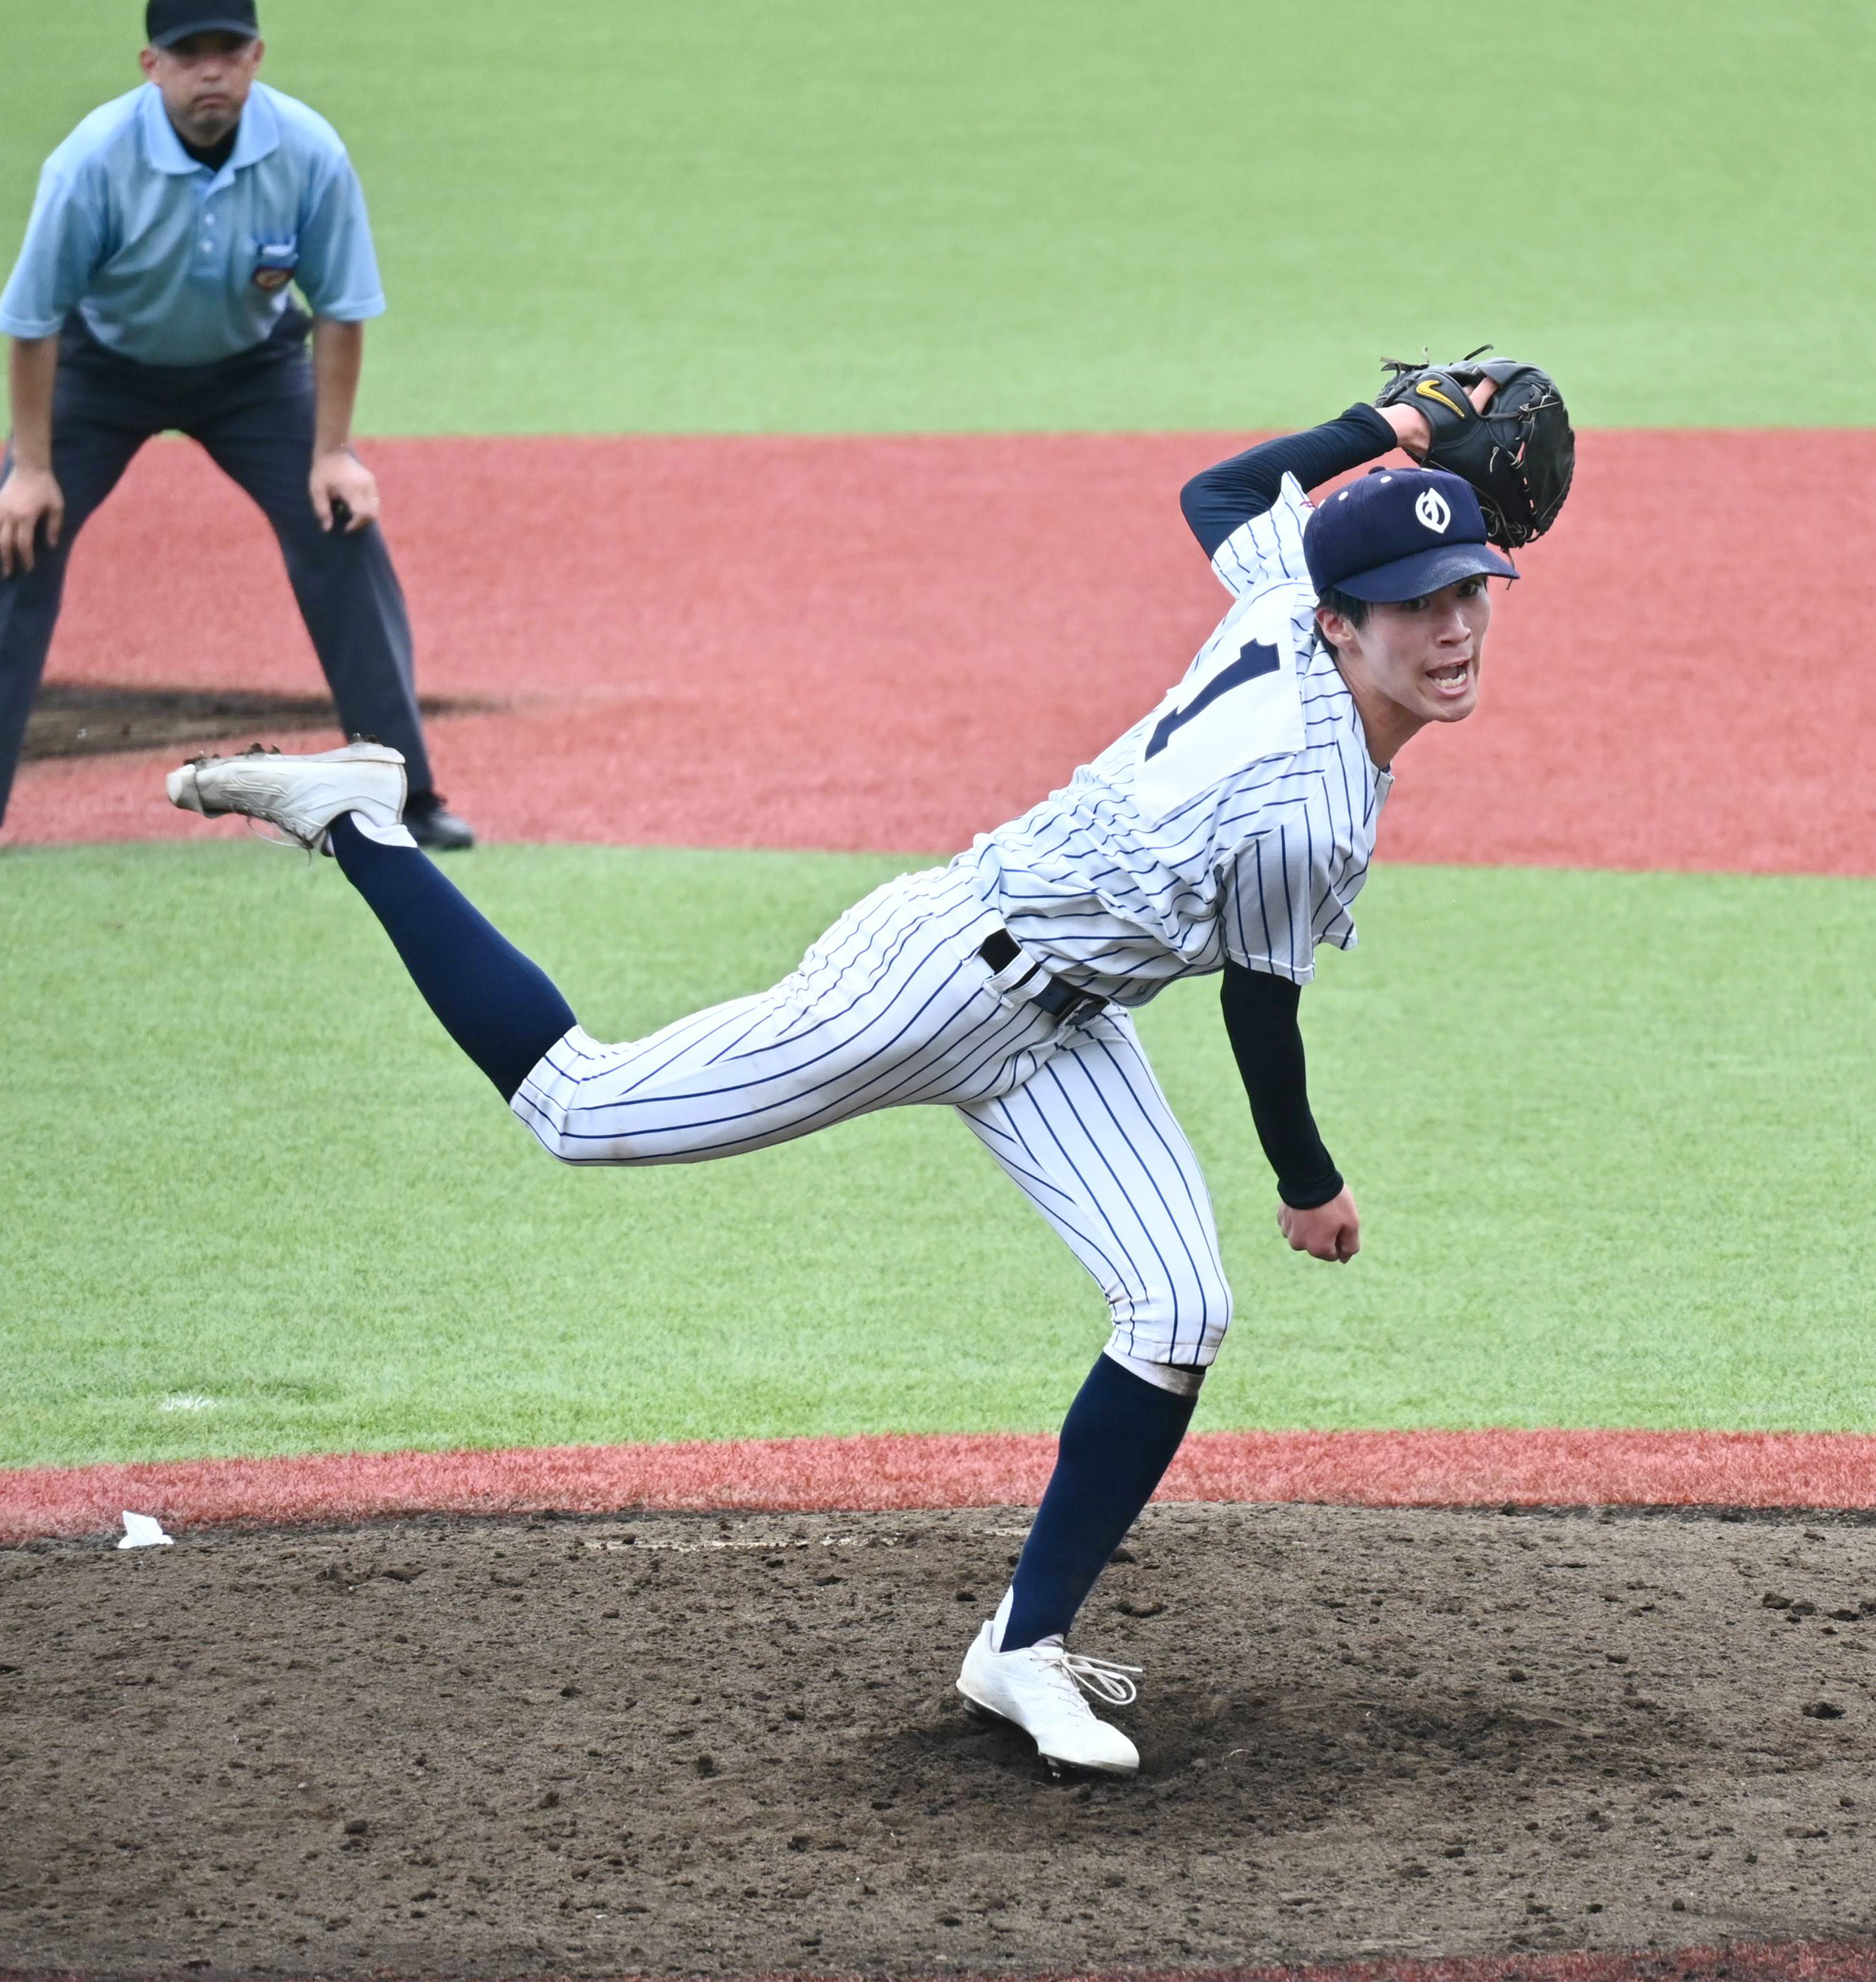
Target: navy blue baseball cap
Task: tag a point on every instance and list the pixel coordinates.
(166, 22)
(1400, 533)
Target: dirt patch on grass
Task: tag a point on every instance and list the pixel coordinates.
(716, 1745)
(99, 718)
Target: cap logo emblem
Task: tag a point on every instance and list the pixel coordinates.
(1430, 507)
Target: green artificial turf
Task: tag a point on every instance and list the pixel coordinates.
(1609, 1134)
(733, 215)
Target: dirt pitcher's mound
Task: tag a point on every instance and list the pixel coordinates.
(699, 1745)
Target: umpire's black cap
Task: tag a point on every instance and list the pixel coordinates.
(165, 22)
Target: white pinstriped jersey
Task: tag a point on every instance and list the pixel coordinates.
(1236, 820)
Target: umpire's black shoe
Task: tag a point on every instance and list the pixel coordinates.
(437, 830)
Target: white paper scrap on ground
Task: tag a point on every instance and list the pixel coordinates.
(143, 1531)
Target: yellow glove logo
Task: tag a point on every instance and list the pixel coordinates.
(1428, 390)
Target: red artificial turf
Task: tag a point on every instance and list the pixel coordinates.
(1352, 1468)
(891, 644)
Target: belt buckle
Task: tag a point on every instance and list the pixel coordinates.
(1020, 975)
(1065, 1002)
(1080, 1003)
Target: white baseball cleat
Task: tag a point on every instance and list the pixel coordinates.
(300, 795)
(1040, 1689)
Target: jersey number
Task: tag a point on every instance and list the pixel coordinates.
(1254, 658)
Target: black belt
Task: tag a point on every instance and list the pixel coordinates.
(1061, 1002)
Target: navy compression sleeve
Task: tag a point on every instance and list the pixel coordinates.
(1267, 1042)
(501, 1009)
(1217, 501)
(1118, 1440)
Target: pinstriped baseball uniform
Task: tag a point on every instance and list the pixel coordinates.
(1236, 820)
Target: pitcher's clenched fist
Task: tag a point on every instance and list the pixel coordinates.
(1331, 1231)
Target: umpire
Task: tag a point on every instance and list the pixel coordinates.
(152, 293)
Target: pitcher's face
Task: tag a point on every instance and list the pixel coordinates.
(1423, 655)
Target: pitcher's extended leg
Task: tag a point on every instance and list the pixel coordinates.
(895, 1005)
(499, 1007)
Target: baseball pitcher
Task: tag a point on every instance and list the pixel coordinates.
(1228, 831)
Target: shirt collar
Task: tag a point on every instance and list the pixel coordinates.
(258, 135)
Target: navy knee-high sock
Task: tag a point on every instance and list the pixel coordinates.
(1117, 1440)
(501, 1009)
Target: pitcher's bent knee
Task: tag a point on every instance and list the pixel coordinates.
(1182, 1325)
(561, 1132)
(548, 1101)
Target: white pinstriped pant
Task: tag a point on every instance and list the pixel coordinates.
(893, 1005)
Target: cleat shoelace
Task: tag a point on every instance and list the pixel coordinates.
(279, 837)
(1111, 1684)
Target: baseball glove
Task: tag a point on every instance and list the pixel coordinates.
(1519, 454)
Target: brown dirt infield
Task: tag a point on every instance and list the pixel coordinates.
(723, 1745)
(894, 643)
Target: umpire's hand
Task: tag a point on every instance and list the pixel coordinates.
(1331, 1231)
(340, 478)
(29, 497)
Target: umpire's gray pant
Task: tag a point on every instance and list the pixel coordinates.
(254, 414)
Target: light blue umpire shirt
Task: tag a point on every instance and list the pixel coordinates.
(171, 263)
